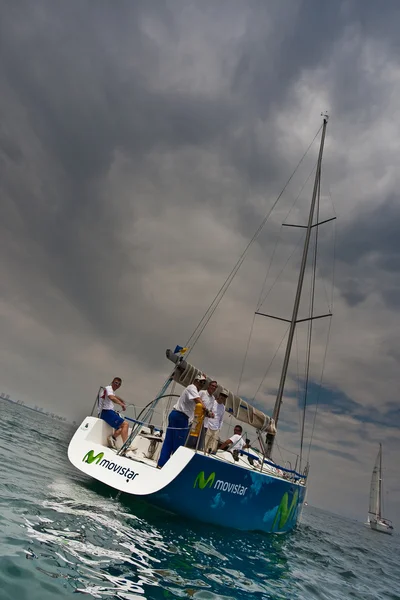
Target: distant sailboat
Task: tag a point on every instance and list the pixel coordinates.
(375, 519)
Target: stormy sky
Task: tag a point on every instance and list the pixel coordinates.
(141, 146)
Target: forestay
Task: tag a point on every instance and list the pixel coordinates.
(185, 374)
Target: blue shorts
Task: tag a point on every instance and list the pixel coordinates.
(112, 418)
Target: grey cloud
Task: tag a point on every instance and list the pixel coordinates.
(371, 242)
(131, 179)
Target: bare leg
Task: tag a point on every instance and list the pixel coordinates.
(122, 431)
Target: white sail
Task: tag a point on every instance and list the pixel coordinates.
(375, 489)
(375, 520)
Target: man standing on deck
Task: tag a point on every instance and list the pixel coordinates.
(208, 398)
(213, 425)
(179, 418)
(107, 398)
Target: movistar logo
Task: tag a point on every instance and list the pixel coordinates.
(285, 512)
(220, 484)
(111, 466)
(202, 482)
(90, 457)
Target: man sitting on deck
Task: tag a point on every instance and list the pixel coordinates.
(236, 441)
(106, 412)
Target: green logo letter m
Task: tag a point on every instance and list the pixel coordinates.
(90, 457)
(202, 482)
(285, 512)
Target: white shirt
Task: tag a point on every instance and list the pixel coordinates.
(207, 398)
(185, 402)
(216, 423)
(237, 442)
(104, 401)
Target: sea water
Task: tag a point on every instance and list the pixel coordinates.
(63, 534)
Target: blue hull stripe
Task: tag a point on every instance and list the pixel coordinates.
(224, 494)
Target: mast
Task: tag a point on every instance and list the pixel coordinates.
(293, 321)
(379, 495)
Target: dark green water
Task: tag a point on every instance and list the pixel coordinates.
(62, 534)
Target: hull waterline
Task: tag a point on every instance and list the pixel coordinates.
(193, 485)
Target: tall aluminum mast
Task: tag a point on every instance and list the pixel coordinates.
(293, 321)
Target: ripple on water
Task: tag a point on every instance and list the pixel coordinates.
(62, 534)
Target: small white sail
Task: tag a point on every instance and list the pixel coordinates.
(375, 489)
(375, 519)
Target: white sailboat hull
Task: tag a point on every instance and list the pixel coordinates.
(381, 526)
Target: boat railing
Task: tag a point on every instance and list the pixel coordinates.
(295, 474)
(137, 422)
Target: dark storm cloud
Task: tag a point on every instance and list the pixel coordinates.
(86, 83)
(371, 243)
(141, 144)
(83, 102)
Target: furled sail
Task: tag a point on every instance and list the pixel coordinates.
(186, 373)
(374, 494)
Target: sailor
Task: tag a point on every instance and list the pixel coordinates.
(236, 441)
(179, 418)
(208, 399)
(212, 425)
(107, 398)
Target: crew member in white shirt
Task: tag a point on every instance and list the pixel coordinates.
(236, 441)
(179, 419)
(208, 398)
(106, 401)
(213, 425)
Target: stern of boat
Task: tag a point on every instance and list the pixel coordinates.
(135, 473)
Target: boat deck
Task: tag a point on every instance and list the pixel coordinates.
(146, 449)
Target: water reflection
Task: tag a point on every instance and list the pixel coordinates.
(102, 549)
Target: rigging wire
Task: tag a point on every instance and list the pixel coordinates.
(328, 334)
(220, 294)
(329, 297)
(272, 360)
(259, 305)
(323, 363)
(287, 450)
(298, 377)
(280, 273)
(310, 325)
(261, 301)
(334, 248)
(301, 191)
(320, 387)
(254, 315)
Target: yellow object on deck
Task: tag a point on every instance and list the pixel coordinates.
(199, 414)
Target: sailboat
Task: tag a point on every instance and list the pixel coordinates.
(242, 490)
(375, 519)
